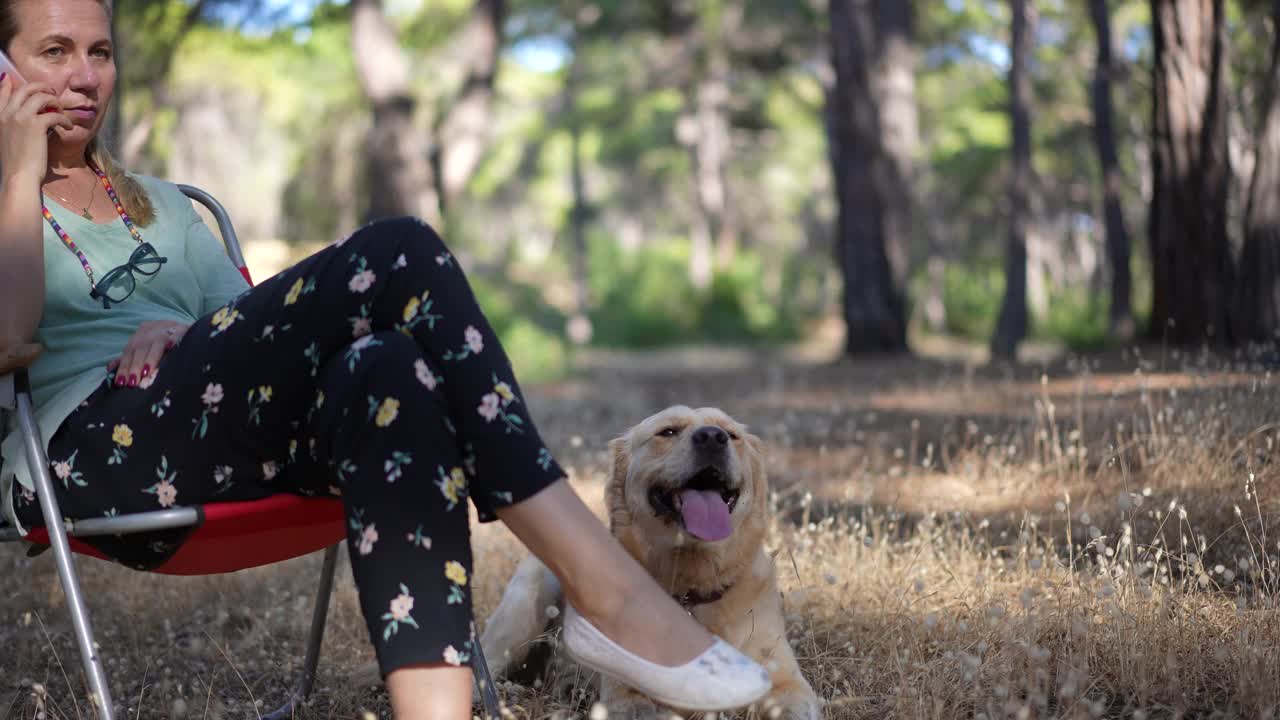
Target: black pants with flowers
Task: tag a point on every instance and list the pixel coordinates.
(367, 371)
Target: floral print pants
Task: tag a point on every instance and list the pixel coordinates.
(367, 371)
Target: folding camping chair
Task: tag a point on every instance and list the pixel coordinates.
(225, 537)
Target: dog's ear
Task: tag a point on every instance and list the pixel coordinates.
(755, 458)
(615, 487)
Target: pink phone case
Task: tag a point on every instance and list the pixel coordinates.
(6, 66)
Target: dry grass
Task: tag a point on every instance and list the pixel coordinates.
(1091, 539)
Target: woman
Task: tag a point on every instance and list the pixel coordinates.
(366, 371)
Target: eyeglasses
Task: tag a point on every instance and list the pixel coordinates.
(119, 283)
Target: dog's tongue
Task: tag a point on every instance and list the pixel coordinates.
(705, 514)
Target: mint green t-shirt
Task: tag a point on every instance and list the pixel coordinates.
(80, 337)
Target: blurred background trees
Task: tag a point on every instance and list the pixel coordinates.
(634, 174)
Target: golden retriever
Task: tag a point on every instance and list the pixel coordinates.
(687, 496)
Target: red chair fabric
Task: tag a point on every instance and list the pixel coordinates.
(241, 535)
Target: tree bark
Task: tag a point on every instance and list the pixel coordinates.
(1117, 235)
(712, 151)
(579, 327)
(400, 175)
(1257, 301)
(1190, 251)
(1011, 327)
(705, 130)
(894, 87)
(463, 133)
(874, 308)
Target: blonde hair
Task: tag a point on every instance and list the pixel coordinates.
(132, 195)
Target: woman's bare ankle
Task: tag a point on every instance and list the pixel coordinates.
(603, 606)
(604, 583)
(639, 616)
(430, 692)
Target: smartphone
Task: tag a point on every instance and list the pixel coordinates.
(7, 66)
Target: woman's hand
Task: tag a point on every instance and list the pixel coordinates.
(25, 123)
(137, 364)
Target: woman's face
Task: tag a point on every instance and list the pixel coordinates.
(67, 44)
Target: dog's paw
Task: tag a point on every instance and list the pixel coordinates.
(791, 706)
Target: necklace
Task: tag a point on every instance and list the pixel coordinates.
(84, 212)
(66, 239)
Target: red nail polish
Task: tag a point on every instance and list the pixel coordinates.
(146, 370)
(3, 76)
(119, 381)
(168, 344)
(133, 381)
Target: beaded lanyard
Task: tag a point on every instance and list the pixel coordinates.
(71, 245)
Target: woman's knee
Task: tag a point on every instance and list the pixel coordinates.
(402, 240)
(391, 361)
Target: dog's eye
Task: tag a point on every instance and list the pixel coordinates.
(733, 436)
(668, 432)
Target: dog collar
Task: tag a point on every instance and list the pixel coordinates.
(694, 598)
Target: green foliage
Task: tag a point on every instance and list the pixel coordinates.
(531, 331)
(1077, 316)
(972, 299)
(645, 299)
(433, 24)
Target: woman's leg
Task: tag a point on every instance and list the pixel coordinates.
(416, 286)
(514, 476)
(437, 692)
(386, 439)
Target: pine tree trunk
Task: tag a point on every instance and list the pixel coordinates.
(713, 159)
(1190, 253)
(1257, 302)
(874, 309)
(400, 175)
(894, 88)
(463, 133)
(1117, 238)
(706, 131)
(1011, 327)
(579, 328)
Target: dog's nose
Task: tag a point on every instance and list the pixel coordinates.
(710, 437)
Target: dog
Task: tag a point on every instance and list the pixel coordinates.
(687, 497)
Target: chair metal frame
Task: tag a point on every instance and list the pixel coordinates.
(15, 396)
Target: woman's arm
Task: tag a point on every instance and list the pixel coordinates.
(21, 260)
(24, 159)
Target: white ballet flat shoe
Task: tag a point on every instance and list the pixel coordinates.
(719, 679)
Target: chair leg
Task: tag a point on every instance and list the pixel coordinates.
(314, 638)
(38, 463)
(484, 682)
